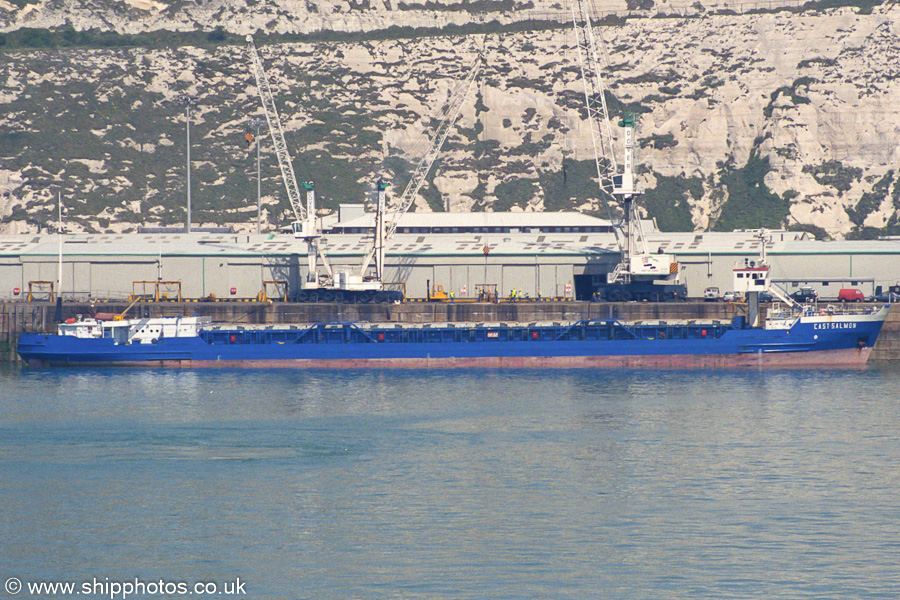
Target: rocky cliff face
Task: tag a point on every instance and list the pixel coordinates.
(282, 17)
(745, 120)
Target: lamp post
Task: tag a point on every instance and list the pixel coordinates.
(188, 102)
(258, 124)
(60, 231)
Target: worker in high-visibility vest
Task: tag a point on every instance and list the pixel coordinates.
(452, 295)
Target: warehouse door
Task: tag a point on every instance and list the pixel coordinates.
(244, 279)
(81, 281)
(443, 277)
(549, 285)
(584, 286)
(12, 278)
(520, 278)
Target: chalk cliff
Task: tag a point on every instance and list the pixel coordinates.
(765, 118)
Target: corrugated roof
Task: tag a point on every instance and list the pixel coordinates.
(843, 247)
(463, 244)
(485, 219)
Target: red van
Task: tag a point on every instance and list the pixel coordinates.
(851, 295)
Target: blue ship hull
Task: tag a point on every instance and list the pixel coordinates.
(826, 341)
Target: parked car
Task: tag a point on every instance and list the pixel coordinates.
(711, 294)
(851, 295)
(732, 297)
(766, 297)
(889, 297)
(805, 294)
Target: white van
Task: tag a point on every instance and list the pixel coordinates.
(711, 294)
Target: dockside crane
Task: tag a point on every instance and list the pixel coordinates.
(595, 97)
(344, 285)
(386, 227)
(304, 227)
(639, 275)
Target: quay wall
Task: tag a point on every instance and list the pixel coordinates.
(18, 317)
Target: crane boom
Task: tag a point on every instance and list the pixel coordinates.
(449, 114)
(305, 227)
(594, 95)
(281, 149)
(639, 274)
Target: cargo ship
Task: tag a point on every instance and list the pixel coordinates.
(791, 337)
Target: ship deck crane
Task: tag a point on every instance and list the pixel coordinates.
(305, 226)
(639, 275)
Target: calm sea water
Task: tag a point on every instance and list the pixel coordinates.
(455, 484)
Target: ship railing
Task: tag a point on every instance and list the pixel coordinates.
(355, 327)
(628, 328)
(583, 330)
(576, 325)
(812, 310)
(312, 329)
(347, 331)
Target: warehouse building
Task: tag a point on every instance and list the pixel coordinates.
(558, 255)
